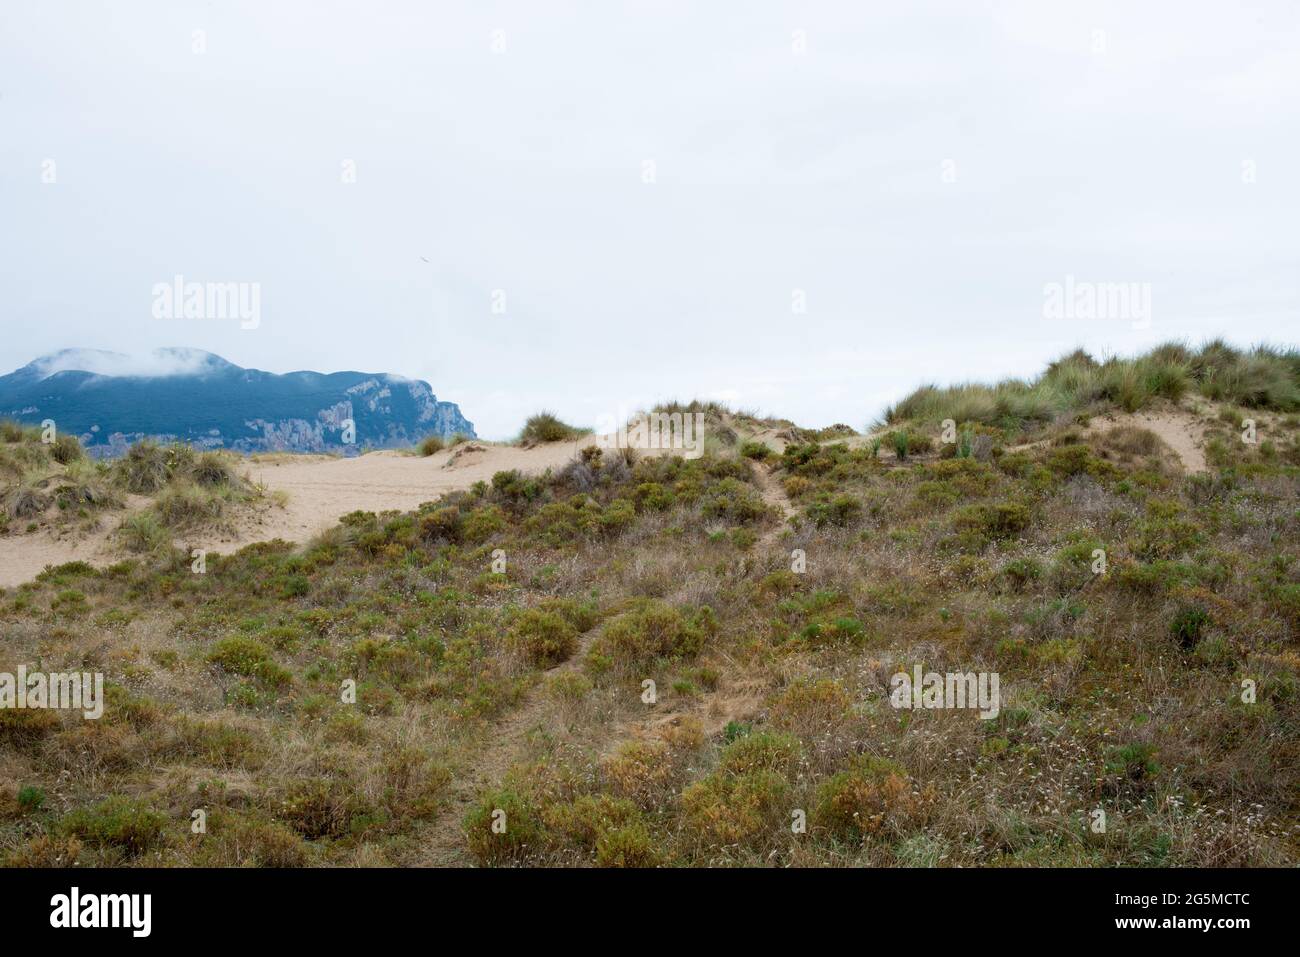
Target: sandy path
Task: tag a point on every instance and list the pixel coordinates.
(773, 494)
(506, 744)
(737, 697)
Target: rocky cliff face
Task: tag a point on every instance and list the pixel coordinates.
(110, 401)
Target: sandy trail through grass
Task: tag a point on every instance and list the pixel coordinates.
(501, 746)
(507, 743)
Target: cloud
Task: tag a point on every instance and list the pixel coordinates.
(158, 364)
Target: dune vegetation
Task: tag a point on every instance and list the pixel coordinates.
(653, 661)
(548, 427)
(55, 485)
(1078, 384)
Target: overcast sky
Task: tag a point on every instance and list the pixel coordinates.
(913, 173)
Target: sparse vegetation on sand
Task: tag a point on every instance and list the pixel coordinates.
(1262, 378)
(433, 444)
(547, 427)
(53, 484)
(386, 693)
(49, 481)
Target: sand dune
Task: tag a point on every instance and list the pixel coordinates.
(319, 489)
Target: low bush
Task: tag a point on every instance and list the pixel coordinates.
(548, 427)
(116, 821)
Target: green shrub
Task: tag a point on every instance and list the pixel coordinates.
(519, 827)
(1022, 571)
(617, 516)
(431, 445)
(482, 523)
(732, 500)
(1188, 625)
(762, 750)
(444, 524)
(246, 656)
(652, 496)
(873, 794)
(1166, 538)
(651, 630)
(996, 520)
(545, 638)
(582, 615)
(320, 807)
(547, 427)
(268, 844)
(117, 821)
(838, 511)
(627, 846)
(727, 809)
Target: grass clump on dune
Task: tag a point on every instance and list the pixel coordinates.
(144, 469)
(86, 485)
(433, 444)
(65, 449)
(34, 475)
(12, 432)
(148, 468)
(548, 427)
(190, 490)
(211, 470)
(188, 505)
(143, 532)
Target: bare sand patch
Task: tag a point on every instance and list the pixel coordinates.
(1182, 431)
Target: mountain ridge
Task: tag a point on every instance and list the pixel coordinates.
(110, 400)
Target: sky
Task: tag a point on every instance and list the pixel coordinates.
(804, 209)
